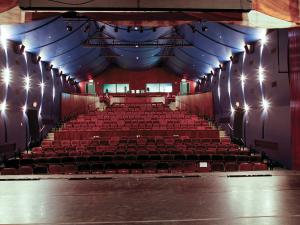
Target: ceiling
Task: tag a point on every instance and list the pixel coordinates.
(64, 48)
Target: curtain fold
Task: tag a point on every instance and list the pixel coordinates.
(294, 73)
(283, 9)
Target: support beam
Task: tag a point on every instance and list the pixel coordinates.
(137, 5)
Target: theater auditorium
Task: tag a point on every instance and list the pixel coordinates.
(150, 112)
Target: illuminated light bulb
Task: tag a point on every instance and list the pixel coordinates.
(27, 83)
(243, 78)
(3, 106)
(261, 74)
(136, 28)
(232, 109)
(6, 76)
(42, 85)
(246, 108)
(265, 104)
(24, 108)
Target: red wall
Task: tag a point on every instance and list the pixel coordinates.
(137, 79)
(200, 104)
(294, 72)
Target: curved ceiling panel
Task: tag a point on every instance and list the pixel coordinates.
(193, 49)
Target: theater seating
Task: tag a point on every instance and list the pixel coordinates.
(154, 139)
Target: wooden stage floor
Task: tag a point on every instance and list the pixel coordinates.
(206, 199)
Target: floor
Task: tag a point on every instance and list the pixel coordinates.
(259, 198)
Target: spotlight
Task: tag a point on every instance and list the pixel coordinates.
(87, 28)
(102, 28)
(136, 45)
(136, 28)
(3, 107)
(261, 74)
(141, 29)
(27, 83)
(19, 49)
(6, 76)
(154, 29)
(249, 47)
(24, 108)
(204, 28)
(116, 29)
(246, 108)
(232, 109)
(137, 58)
(69, 28)
(243, 79)
(264, 40)
(193, 28)
(265, 104)
(128, 29)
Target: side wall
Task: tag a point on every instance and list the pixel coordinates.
(227, 88)
(13, 121)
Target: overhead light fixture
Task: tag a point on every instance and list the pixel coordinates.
(204, 28)
(69, 28)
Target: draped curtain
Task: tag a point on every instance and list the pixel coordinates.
(282, 9)
(294, 72)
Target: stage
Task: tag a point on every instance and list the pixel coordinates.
(266, 197)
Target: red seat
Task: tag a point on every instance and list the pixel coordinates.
(245, 166)
(24, 170)
(260, 166)
(9, 171)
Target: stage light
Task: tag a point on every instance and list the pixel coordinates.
(193, 28)
(6, 76)
(137, 58)
(69, 28)
(261, 74)
(42, 85)
(24, 108)
(237, 104)
(136, 28)
(232, 110)
(246, 108)
(87, 28)
(136, 46)
(265, 104)
(204, 28)
(34, 104)
(27, 83)
(102, 28)
(116, 29)
(3, 106)
(243, 78)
